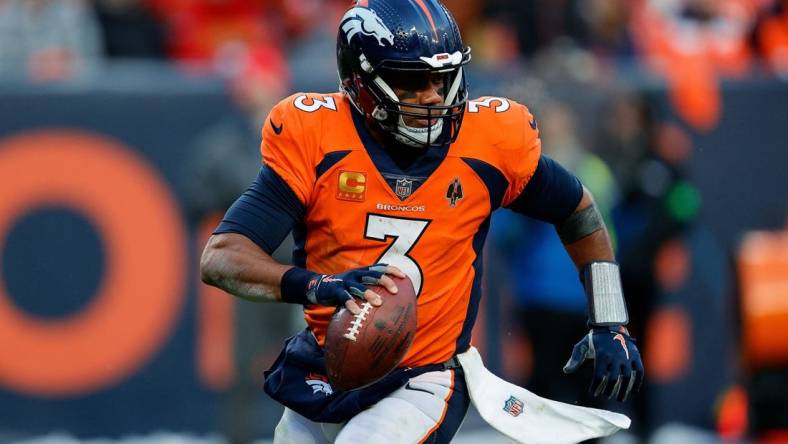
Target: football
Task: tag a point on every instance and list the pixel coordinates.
(361, 349)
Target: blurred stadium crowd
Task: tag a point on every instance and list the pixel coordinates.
(55, 39)
(595, 122)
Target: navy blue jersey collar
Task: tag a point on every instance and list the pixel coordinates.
(385, 159)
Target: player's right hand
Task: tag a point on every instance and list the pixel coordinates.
(618, 369)
(343, 288)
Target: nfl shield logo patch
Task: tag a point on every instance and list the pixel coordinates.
(403, 187)
(513, 406)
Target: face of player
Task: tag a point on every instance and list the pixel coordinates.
(425, 88)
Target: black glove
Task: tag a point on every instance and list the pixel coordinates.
(617, 365)
(305, 287)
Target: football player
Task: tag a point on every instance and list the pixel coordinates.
(397, 174)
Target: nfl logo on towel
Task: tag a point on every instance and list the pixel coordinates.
(513, 406)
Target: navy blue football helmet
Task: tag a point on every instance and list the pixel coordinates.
(383, 40)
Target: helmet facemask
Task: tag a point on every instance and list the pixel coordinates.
(373, 94)
(415, 124)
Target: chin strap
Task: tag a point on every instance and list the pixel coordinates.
(417, 137)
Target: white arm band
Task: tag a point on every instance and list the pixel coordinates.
(602, 282)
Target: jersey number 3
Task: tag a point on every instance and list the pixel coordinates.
(405, 232)
(501, 106)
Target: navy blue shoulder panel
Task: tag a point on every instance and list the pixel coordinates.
(330, 160)
(265, 213)
(551, 195)
(492, 177)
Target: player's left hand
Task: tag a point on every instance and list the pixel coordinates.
(617, 365)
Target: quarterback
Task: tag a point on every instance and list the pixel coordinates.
(397, 174)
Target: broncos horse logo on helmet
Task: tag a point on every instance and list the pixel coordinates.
(365, 21)
(385, 39)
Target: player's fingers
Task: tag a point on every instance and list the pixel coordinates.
(615, 389)
(347, 299)
(388, 283)
(578, 356)
(356, 292)
(373, 298)
(370, 280)
(394, 271)
(627, 382)
(360, 292)
(638, 375)
(601, 374)
(615, 382)
(351, 305)
(378, 268)
(597, 385)
(628, 389)
(371, 275)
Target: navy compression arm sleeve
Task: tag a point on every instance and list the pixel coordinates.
(551, 195)
(265, 213)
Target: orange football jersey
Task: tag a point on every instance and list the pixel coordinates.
(435, 235)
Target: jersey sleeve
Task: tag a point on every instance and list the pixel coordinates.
(289, 149)
(265, 213)
(551, 195)
(521, 158)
